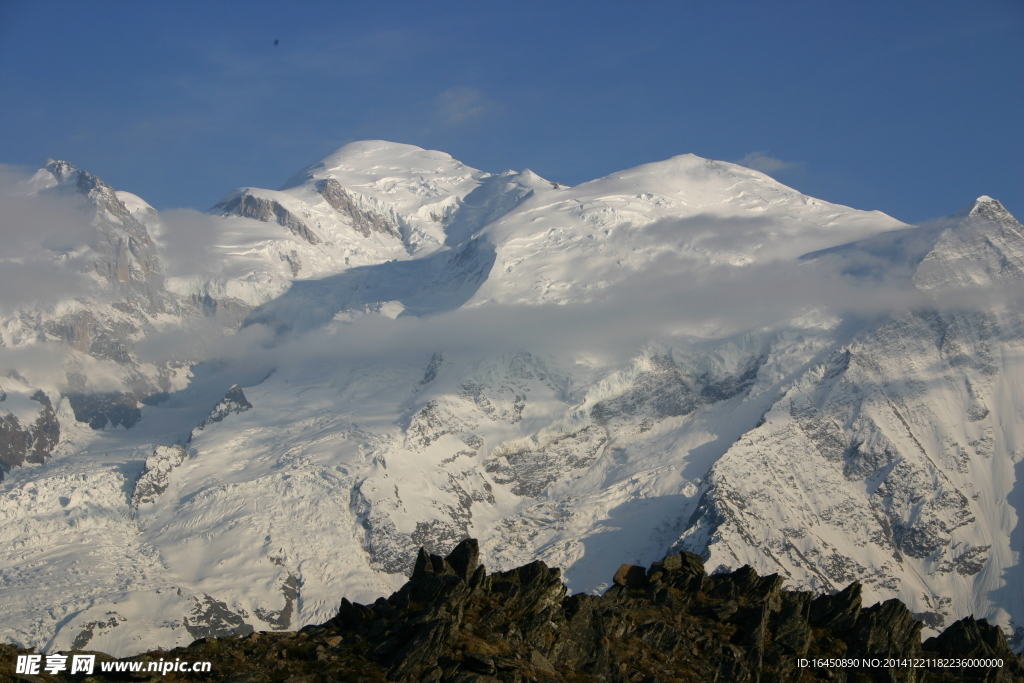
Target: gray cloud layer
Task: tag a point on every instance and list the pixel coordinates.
(40, 236)
(662, 305)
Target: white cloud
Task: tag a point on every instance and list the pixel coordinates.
(761, 161)
(460, 103)
(187, 240)
(40, 237)
(661, 305)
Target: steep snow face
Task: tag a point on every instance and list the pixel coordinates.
(301, 464)
(368, 204)
(985, 247)
(421, 189)
(896, 461)
(570, 244)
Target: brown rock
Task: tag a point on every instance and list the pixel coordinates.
(631, 576)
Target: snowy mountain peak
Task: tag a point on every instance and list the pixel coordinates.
(61, 170)
(986, 207)
(123, 251)
(65, 175)
(377, 158)
(983, 246)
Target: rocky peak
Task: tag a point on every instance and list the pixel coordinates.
(670, 621)
(983, 246)
(125, 250)
(987, 208)
(454, 622)
(32, 442)
(84, 183)
(61, 170)
(234, 401)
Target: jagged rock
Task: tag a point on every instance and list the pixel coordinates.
(364, 222)
(453, 622)
(156, 476)
(442, 627)
(631, 576)
(465, 558)
(840, 609)
(234, 401)
(28, 443)
(970, 638)
(212, 618)
(265, 210)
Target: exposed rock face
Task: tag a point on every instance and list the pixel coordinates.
(83, 332)
(27, 443)
(233, 402)
(125, 250)
(266, 210)
(454, 622)
(365, 222)
(282, 618)
(213, 618)
(890, 482)
(121, 297)
(156, 477)
(100, 409)
(669, 622)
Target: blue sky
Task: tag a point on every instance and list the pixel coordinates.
(913, 108)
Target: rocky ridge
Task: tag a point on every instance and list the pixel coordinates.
(452, 621)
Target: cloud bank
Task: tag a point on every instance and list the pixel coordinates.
(40, 235)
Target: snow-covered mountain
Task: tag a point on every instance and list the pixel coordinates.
(894, 461)
(397, 350)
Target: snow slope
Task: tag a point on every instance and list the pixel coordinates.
(568, 244)
(895, 461)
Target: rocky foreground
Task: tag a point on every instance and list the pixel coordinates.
(672, 622)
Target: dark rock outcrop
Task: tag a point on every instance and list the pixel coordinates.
(364, 222)
(31, 442)
(234, 401)
(156, 477)
(116, 408)
(267, 210)
(455, 622)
